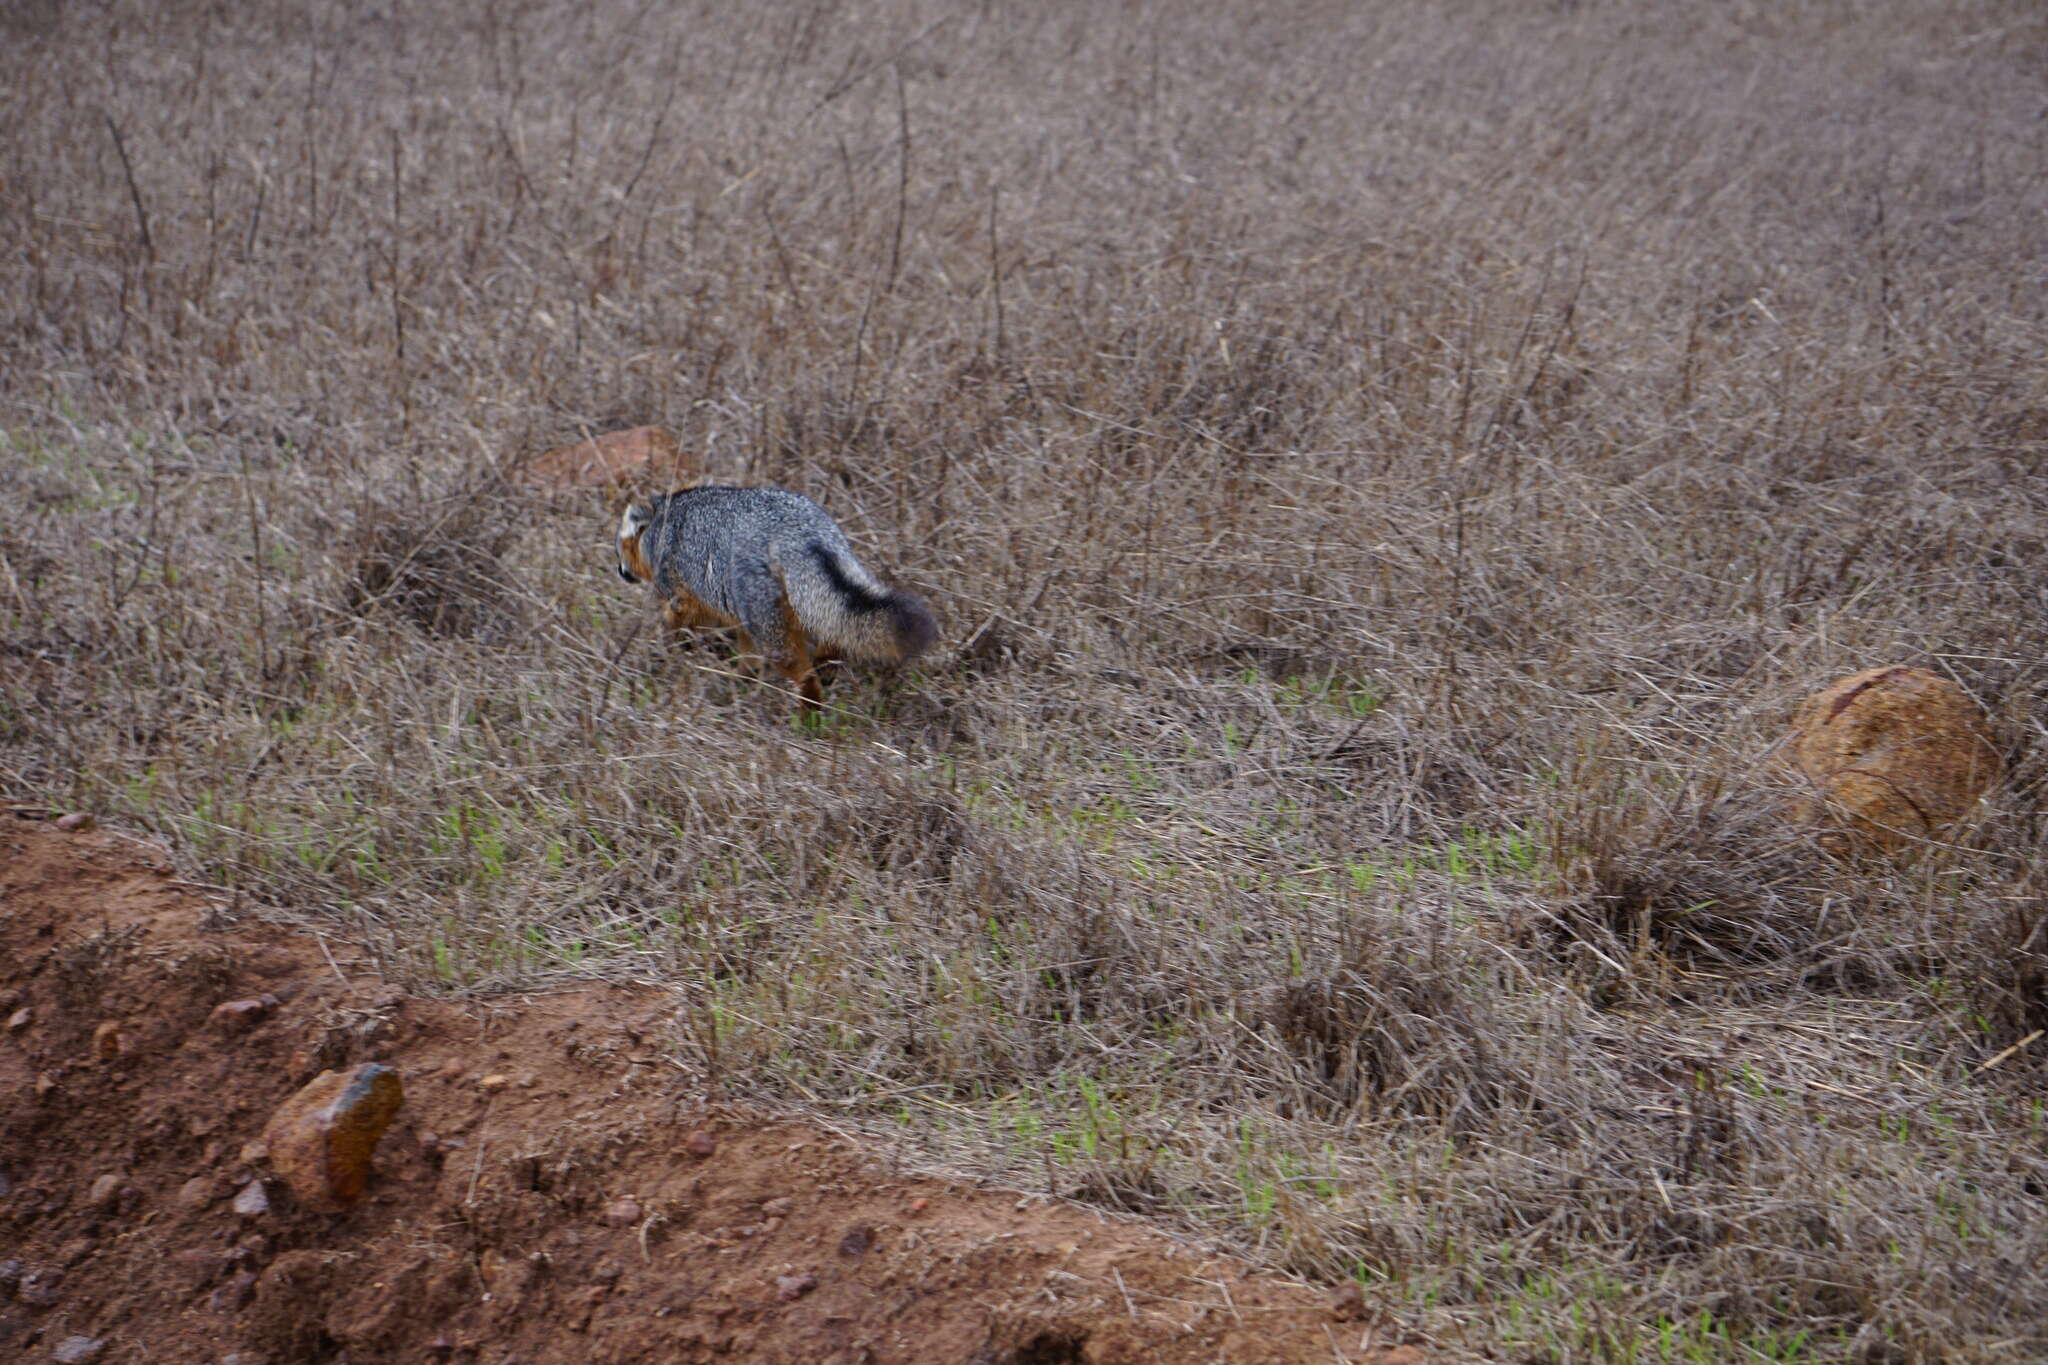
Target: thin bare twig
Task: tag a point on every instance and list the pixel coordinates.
(134, 190)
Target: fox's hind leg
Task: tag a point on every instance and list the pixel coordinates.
(767, 617)
(826, 665)
(800, 662)
(804, 660)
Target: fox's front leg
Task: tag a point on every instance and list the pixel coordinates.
(686, 612)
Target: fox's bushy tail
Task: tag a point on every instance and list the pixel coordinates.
(843, 606)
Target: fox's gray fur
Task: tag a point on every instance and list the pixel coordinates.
(775, 564)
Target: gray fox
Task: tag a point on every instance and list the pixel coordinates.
(776, 565)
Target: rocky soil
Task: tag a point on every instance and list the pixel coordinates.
(554, 1189)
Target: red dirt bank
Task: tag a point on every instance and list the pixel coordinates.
(537, 1200)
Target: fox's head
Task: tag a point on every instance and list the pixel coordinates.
(633, 566)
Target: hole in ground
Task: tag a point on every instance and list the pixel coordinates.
(1051, 1348)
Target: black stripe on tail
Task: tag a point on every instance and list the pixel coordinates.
(910, 620)
(856, 597)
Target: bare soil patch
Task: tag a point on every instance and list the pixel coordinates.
(551, 1191)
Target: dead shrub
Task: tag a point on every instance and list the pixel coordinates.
(914, 834)
(1393, 1039)
(438, 564)
(1695, 888)
(2009, 985)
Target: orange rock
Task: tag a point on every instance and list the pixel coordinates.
(1894, 755)
(609, 459)
(321, 1139)
(106, 1040)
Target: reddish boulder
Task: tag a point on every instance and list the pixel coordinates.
(1893, 756)
(648, 453)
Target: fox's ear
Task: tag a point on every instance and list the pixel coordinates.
(633, 522)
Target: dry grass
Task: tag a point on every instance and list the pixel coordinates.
(1386, 473)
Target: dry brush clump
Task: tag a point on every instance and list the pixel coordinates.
(436, 562)
(1387, 478)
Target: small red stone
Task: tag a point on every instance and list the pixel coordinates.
(237, 1016)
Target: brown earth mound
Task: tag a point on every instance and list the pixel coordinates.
(555, 1188)
(640, 455)
(1896, 754)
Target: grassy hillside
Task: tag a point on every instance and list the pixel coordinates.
(1385, 473)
